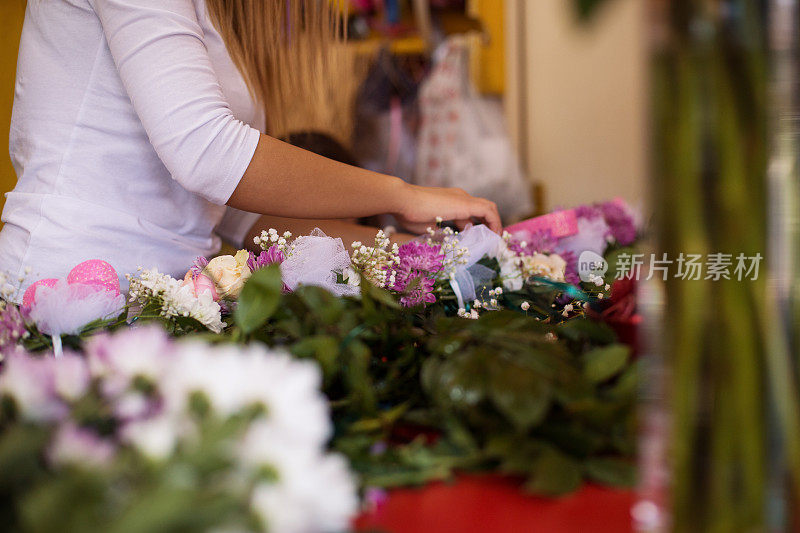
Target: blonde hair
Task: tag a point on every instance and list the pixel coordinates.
(284, 49)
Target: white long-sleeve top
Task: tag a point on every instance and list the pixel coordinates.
(130, 130)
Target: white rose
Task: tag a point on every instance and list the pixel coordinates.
(552, 267)
(229, 273)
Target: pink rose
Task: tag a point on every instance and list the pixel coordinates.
(201, 284)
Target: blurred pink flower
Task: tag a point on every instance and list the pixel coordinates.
(74, 445)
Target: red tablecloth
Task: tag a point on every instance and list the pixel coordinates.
(491, 504)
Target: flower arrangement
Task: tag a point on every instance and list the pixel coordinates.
(235, 434)
(384, 324)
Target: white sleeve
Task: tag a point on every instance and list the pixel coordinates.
(235, 225)
(158, 49)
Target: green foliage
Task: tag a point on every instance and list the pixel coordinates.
(259, 298)
(417, 395)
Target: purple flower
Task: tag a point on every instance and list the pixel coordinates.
(588, 211)
(571, 272)
(375, 497)
(421, 256)
(413, 275)
(540, 241)
(273, 256)
(199, 264)
(416, 287)
(620, 222)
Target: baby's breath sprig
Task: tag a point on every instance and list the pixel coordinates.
(377, 263)
(455, 255)
(270, 238)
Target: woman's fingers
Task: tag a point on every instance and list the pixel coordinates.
(487, 212)
(451, 204)
(461, 223)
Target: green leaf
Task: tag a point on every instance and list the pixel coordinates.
(520, 394)
(601, 364)
(358, 377)
(324, 348)
(379, 295)
(259, 299)
(322, 304)
(611, 471)
(626, 387)
(586, 330)
(553, 474)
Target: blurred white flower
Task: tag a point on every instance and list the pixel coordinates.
(119, 359)
(154, 437)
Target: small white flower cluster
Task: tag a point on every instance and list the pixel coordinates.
(489, 305)
(597, 280)
(271, 237)
(175, 298)
(471, 314)
(377, 262)
(8, 290)
(454, 255)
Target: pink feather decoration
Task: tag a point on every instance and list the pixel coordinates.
(95, 272)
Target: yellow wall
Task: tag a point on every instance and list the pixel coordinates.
(11, 16)
(488, 63)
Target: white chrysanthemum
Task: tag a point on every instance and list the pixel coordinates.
(312, 492)
(233, 378)
(176, 298)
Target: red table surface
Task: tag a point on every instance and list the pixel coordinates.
(479, 504)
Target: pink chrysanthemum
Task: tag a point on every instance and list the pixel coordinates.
(273, 256)
(414, 274)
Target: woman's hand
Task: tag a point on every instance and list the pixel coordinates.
(418, 207)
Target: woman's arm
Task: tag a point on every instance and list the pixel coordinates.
(346, 230)
(288, 181)
(159, 51)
